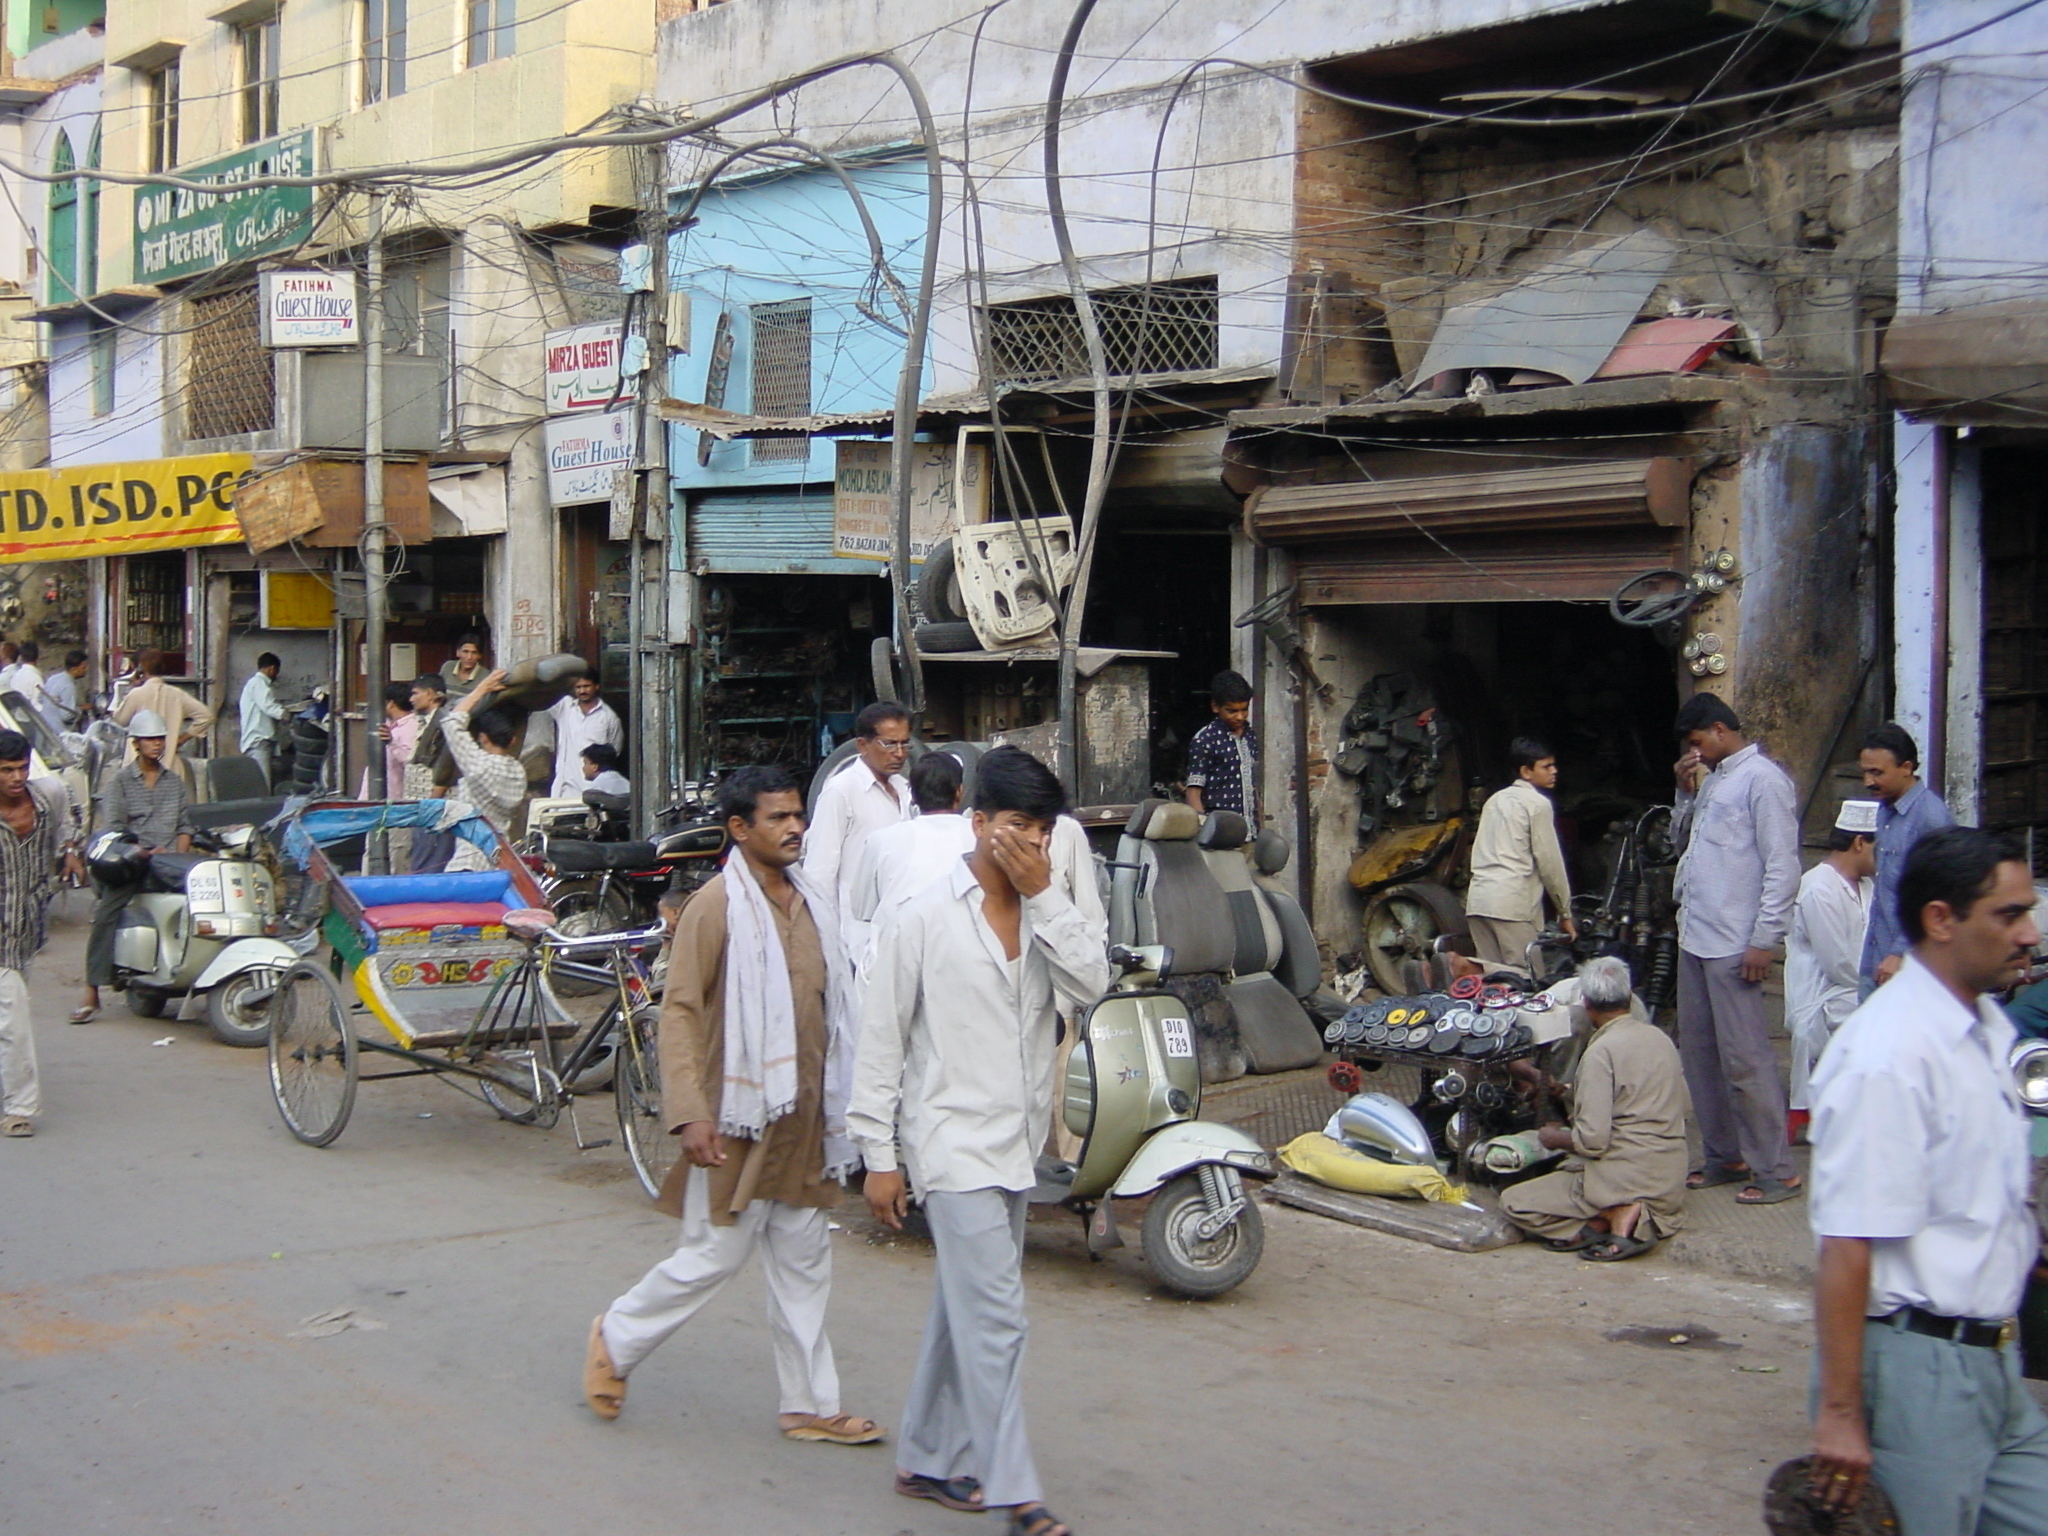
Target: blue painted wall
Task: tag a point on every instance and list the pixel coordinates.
(787, 237)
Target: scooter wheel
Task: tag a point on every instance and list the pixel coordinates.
(1183, 1260)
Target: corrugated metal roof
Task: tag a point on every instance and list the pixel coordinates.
(768, 533)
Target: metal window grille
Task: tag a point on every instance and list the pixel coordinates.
(1148, 328)
(229, 389)
(782, 374)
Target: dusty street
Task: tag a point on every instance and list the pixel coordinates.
(162, 1239)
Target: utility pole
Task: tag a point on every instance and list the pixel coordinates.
(651, 737)
(378, 659)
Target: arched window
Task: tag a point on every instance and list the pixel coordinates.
(89, 223)
(61, 242)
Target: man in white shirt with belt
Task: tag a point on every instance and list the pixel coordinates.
(956, 1063)
(581, 720)
(864, 796)
(1516, 860)
(1920, 1202)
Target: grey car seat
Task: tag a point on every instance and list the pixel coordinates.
(1163, 892)
(1277, 1031)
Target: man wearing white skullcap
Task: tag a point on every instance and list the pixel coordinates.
(1825, 944)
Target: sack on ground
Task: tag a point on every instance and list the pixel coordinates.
(1317, 1157)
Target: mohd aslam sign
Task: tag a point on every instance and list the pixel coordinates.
(120, 509)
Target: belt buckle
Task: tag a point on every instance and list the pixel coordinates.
(2008, 1331)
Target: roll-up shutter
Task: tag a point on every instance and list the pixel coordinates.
(1572, 532)
(768, 533)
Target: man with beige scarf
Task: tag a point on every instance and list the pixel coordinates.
(756, 1064)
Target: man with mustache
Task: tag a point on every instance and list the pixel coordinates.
(1920, 1201)
(756, 1050)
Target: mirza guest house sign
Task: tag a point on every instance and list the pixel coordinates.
(180, 232)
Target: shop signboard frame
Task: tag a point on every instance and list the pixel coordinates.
(309, 308)
(582, 363)
(182, 233)
(585, 451)
(87, 511)
(864, 505)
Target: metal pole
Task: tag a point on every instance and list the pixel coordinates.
(379, 657)
(649, 735)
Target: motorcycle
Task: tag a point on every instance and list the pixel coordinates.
(201, 924)
(598, 880)
(1132, 1092)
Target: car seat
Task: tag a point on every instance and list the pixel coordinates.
(1276, 1030)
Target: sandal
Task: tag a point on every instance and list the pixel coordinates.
(840, 1429)
(1723, 1173)
(84, 1015)
(1585, 1238)
(961, 1493)
(1615, 1247)
(1769, 1191)
(17, 1125)
(1037, 1520)
(603, 1387)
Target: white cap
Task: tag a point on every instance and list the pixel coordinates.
(148, 722)
(1858, 818)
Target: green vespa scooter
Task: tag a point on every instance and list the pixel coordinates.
(1132, 1092)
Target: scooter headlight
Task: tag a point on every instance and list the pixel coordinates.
(2030, 1074)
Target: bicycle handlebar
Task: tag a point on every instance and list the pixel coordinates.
(554, 938)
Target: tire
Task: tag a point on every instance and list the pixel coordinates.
(947, 639)
(233, 1020)
(636, 1086)
(938, 586)
(511, 1093)
(581, 910)
(313, 1066)
(1402, 923)
(147, 1002)
(1185, 1264)
(882, 667)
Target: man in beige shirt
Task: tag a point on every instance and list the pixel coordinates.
(1516, 861)
(186, 718)
(770, 1189)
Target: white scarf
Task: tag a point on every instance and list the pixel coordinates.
(760, 1017)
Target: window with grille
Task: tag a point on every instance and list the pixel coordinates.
(384, 45)
(782, 374)
(228, 385)
(1149, 328)
(163, 117)
(257, 43)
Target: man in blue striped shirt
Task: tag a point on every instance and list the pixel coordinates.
(1907, 811)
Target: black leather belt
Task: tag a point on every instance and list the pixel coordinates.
(1957, 1330)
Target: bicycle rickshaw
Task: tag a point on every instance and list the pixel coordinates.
(453, 976)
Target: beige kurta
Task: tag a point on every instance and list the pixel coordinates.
(183, 716)
(788, 1163)
(1629, 1113)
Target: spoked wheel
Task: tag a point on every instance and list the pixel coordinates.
(1402, 924)
(579, 913)
(312, 1054)
(1185, 1260)
(636, 1082)
(521, 1089)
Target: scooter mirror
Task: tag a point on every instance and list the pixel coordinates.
(2030, 1074)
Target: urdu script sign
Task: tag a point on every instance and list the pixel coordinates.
(181, 233)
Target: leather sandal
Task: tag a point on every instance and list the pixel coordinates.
(840, 1429)
(17, 1125)
(603, 1387)
(1037, 1520)
(1769, 1191)
(1719, 1173)
(961, 1493)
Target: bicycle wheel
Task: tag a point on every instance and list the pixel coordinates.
(521, 1089)
(636, 1083)
(510, 1045)
(313, 1065)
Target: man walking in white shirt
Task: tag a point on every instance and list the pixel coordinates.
(581, 720)
(900, 862)
(1921, 1205)
(1821, 951)
(261, 713)
(1516, 860)
(864, 796)
(956, 1064)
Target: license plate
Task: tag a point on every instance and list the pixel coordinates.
(1180, 1037)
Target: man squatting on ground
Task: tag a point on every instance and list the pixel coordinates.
(956, 1062)
(1920, 1202)
(756, 1045)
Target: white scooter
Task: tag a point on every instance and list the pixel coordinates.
(201, 925)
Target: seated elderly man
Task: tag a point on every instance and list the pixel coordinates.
(1623, 1187)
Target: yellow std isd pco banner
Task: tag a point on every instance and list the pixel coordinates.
(120, 509)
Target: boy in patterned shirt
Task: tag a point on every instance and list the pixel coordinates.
(1223, 758)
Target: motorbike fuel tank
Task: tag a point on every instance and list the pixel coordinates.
(1384, 1128)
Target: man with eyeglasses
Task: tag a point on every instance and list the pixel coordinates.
(870, 792)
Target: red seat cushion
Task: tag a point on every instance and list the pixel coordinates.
(435, 914)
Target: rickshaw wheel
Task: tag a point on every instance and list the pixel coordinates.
(636, 1081)
(313, 1066)
(513, 1094)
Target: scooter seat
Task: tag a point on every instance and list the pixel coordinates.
(577, 857)
(167, 871)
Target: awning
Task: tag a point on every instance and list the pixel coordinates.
(775, 533)
(1987, 364)
(1621, 493)
(1571, 568)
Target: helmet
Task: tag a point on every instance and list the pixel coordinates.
(148, 722)
(115, 858)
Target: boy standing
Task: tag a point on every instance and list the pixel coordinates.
(956, 1063)
(1828, 919)
(1516, 860)
(1223, 759)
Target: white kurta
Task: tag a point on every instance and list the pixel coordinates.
(852, 804)
(1821, 955)
(895, 865)
(575, 729)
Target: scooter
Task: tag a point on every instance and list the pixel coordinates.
(597, 882)
(203, 925)
(1132, 1093)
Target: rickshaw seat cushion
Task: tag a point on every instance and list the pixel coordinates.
(480, 885)
(434, 914)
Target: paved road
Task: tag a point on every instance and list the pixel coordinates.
(163, 1238)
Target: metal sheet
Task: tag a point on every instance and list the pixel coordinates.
(1565, 567)
(1564, 319)
(770, 533)
(1601, 493)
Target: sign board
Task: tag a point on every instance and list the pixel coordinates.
(310, 309)
(181, 233)
(583, 369)
(120, 509)
(296, 600)
(583, 452)
(320, 503)
(864, 506)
